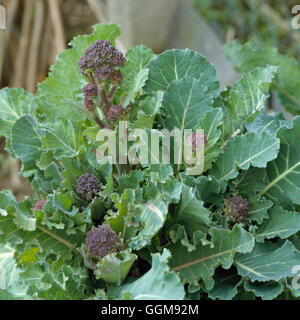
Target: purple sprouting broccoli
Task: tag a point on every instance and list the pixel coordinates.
(103, 60)
(100, 64)
(87, 186)
(39, 205)
(114, 113)
(237, 208)
(89, 104)
(90, 90)
(106, 72)
(101, 241)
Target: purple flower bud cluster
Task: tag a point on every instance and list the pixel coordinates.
(90, 90)
(100, 64)
(106, 72)
(103, 59)
(101, 241)
(237, 208)
(114, 113)
(87, 186)
(39, 205)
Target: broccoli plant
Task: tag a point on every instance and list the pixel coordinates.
(110, 144)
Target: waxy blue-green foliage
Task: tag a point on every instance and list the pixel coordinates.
(176, 241)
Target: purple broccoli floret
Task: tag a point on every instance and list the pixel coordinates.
(115, 112)
(237, 208)
(101, 241)
(103, 59)
(87, 186)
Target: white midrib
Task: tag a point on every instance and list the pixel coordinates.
(6, 255)
(184, 115)
(272, 232)
(247, 160)
(153, 208)
(280, 177)
(250, 269)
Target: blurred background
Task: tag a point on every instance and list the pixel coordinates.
(37, 30)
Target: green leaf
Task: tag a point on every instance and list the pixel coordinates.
(191, 213)
(287, 81)
(170, 190)
(250, 181)
(185, 102)
(207, 187)
(210, 123)
(270, 123)
(250, 92)
(45, 160)
(132, 181)
(11, 284)
(281, 223)
(117, 220)
(14, 103)
(152, 217)
(64, 202)
(159, 283)
(267, 290)
(134, 73)
(226, 285)
(268, 262)
(114, 267)
(162, 180)
(178, 64)
(135, 85)
(248, 56)
(250, 149)
(48, 241)
(23, 217)
(61, 92)
(159, 173)
(283, 180)
(259, 209)
(64, 139)
(27, 143)
(202, 262)
(148, 110)
(247, 98)
(138, 58)
(68, 286)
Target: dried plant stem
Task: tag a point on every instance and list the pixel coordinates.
(12, 7)
(34, 47)
(18, 79)
(57, 24)
(45, 48)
